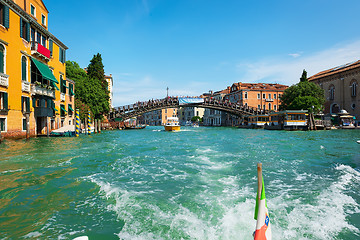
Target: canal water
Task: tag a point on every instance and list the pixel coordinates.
(199, 183)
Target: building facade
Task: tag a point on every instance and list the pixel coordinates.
(187, 113)
(340, 86)
(157, 117)
(35, 96)
(264, 96)
(109, 80)
(214, 117)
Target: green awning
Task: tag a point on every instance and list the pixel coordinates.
(62, 108)
(44, 70)
(55, 109)
(72, 92)
(54, 85)
(70, 108)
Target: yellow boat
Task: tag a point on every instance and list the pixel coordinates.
(172, 124)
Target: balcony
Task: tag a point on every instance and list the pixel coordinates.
(39, 90)
(25, 86)
(269, 99)
(40, 51)
(4, 80)
(62, 97)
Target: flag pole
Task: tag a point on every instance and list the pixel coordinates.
(259, 171)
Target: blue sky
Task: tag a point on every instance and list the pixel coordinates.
(193, 46)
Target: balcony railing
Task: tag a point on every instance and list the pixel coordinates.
(37, 89)
(25, 86)
(40, 50)
(62, 97)
(269, 100)
(4, 80)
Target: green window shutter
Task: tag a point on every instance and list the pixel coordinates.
(34, 102)
(51, 47)
(27, 104)
(49, 103)
(1, 59)
(64, 56)
(22, 103)
(5, 101)
(6, 16)
(21, 27)
(60, 54)
(27, 32)
(23, 68)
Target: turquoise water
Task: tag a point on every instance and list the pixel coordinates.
(199, 183)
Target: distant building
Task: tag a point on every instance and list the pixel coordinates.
(157, 117)
(264, 96)
(215, 117)
(35, 94)
(109, 80)
(340, 85)
(187, 113)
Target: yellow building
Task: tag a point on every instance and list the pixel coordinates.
(35, 96)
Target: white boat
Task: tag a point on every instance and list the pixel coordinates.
(172, 124)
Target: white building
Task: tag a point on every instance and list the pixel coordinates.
(110, 82)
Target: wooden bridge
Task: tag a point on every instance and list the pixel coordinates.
(126, 112)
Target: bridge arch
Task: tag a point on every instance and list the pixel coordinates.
(137, 109)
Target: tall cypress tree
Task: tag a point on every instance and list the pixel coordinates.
(95, 70)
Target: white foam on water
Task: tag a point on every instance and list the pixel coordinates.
(324, 219)
(33, 235)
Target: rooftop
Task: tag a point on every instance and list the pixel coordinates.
(335, 70)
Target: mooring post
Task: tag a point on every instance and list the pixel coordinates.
(88, 123)
(27, 116)
(95, 126)
(77, 123)
(47, 127)
(85, 126)
(99, 126)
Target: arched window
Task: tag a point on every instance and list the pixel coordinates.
(2, 59)
(23, 68)
(269, 106)
(353, 88)
(331, 92)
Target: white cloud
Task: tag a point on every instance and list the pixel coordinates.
(295, 55)
(288, 72)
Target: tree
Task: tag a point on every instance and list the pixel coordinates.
(196, 119)
(303, 95)
(88, 89)
(95, 70)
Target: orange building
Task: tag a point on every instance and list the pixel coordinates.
(35, 96)
(265, 96)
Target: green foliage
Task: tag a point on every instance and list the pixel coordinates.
(304, 95)
(96, 70)
(83, 109)
(89, 87)
(304, 76)
(74, 71)
(196, 119)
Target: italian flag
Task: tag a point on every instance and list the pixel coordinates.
(263, 229)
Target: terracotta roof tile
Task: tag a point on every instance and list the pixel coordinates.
(335, 70)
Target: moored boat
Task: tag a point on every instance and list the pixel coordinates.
(172, 124)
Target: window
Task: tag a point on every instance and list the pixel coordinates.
(24, 125)
(259, 106)
(4, 101)
(269, 106)
(32, 10)
(353, 106)
(4, 15)
(24, 30)
(353, 89)
(245, 95)
(3, 124)
(264, 96)
(62, 84)
(43, 19)
(38, 37)
(70, 109)
(43, 41)
(279, 96)
(62, 55)
(62, 110)
(269, 96)
(275, 107)
(274, 96)
(25, 104)
(258, 95)
(332, 92)
(264, 107)
(23, 68)
(2, 59)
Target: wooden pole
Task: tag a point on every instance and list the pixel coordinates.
(47, 127)
(86, 123)
(259, 171)
(99, 125)
(95, 125)
(27, 125)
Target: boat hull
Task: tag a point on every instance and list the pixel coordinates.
(172, 128)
